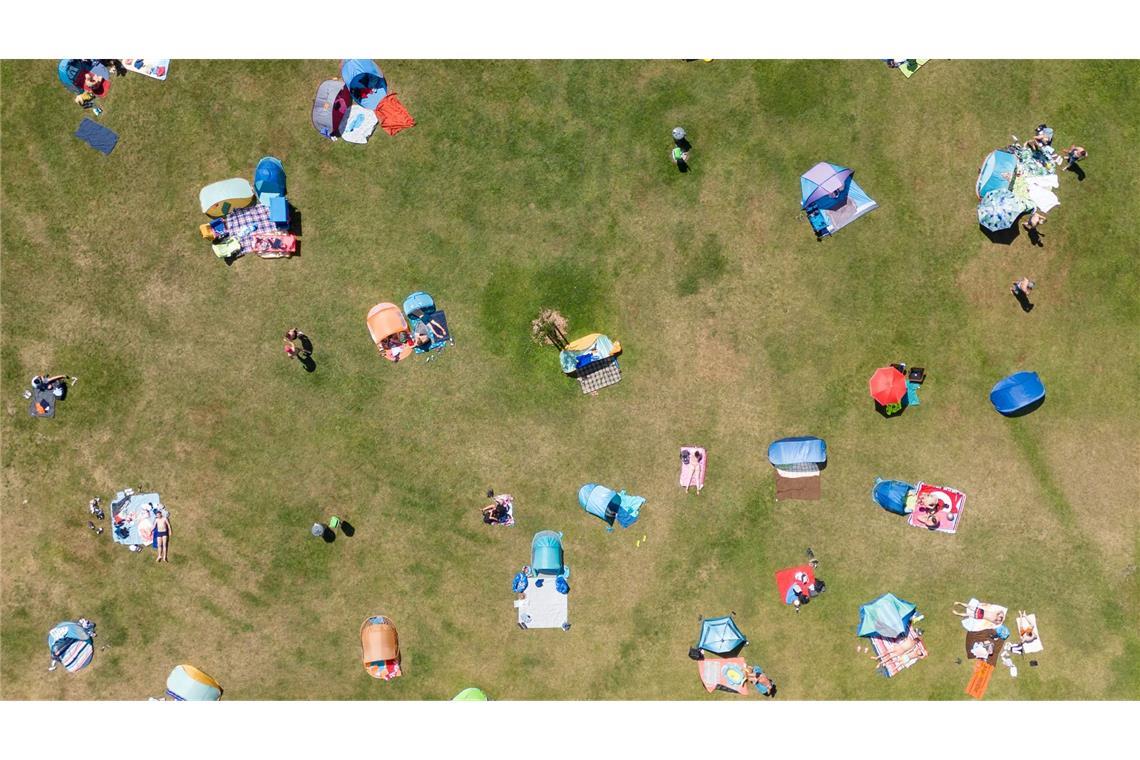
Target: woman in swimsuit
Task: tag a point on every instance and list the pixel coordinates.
(162, 534)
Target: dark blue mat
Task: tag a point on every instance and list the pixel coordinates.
(97, 136)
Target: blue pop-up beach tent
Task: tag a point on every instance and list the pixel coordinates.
(70, 645)
(891, 495)
(832, 198)
(997, 172)
(888, 617)
(609, 505)
(546, 554)
(269, 180)
(805, 449)
(1020, 392)
(720, 635)
(365, 82)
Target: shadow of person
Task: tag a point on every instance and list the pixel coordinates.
(684, 144)
(1023, 299)
(306, 343)
(308, 363)
(1035, 236)
(1077, 170)
(682, 166)
(347, 529)
(329, 536)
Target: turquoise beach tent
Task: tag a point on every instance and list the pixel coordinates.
(546, 555)
(604, 503)
(720, 635)
(832, 198)
(888, 617)
(891, 495)
(997, 172)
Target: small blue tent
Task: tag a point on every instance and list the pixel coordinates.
(801, 450)
(70, 645)
(891, 495)
(546, 554)
(1020, 392)
(832, 198)
(365, 82)
(720, 635)
(604, 503)
(997, 172)
(888, 617)
(269, 180)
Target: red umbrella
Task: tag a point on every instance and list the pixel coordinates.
(888, 386)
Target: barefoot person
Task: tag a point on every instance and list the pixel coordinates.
(162, 535)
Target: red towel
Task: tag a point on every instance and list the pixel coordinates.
(392, 114)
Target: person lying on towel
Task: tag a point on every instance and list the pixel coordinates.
(427, 332)
(980, 611)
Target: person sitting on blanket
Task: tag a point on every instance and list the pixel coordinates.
(427, 332)
(927, 509)
(497, 511)
(54, 383)
(395, 344)
(980, 611)
(764, 685)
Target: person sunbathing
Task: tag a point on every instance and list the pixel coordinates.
(429, 332)
(498, 511)
(762, 682)
(980, 611)
(883, 659)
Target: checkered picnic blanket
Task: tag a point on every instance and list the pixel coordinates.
(600, 374)
(244, 223)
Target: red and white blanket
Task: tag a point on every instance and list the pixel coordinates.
(948, 513)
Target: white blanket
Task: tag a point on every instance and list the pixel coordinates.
(543, 607)
(1041, 192)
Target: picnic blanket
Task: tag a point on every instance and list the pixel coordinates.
(392, 115)
(600, 374)
(1028, 634)
(949, 515)
(359, 125)
(724, 673)
(911, 65)
(543, 606)
(97, 136)
(42, 404)
(245, 223)
(155, 68)
(797, 487)
(1040, 190)
(899, 653)
(980, 680)
(693, 473)
(132, 518)
(987, 639)
(786, 578)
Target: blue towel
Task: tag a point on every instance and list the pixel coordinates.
(912, 394)
(97, 136)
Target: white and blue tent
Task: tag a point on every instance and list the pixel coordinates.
(721, 635)
(609, 505)
(831, 198)
(70, 645)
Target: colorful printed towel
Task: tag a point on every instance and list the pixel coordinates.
(727, 674)
(949, 511)
(155, 68)
(898, 654)
(392, 114)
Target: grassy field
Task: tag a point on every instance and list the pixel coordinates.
(530, 185)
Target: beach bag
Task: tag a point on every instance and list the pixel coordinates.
(226, 248)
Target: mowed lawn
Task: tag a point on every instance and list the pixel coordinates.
(528, 185)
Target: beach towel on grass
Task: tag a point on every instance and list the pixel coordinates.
(974, 638)
(903, 652)
(979, 611)
(1028, 634)
(798, 489)
(43, 404)
(786, 578)
(155, 68)
(980, 680)
(693, 473)
(911, 65)
(727, 674)
(949, 514)
(392, 115)
(97, 136)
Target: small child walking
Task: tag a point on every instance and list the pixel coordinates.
(297, 345)
(1020, 290)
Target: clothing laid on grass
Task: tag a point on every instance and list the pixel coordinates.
(97, 136)
(393, 116)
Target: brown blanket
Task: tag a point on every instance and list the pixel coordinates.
(801, 489)
(973, 636)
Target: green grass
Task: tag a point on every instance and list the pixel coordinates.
(531, 185)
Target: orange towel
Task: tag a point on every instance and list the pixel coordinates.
(980, 681)
(392, 115)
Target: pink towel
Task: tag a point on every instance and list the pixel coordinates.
(693, 473)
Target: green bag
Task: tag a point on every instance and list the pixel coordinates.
(226, 248)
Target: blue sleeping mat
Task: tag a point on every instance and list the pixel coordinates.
(97, 136)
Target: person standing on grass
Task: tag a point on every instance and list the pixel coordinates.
(1020, 290)
(1073, 154)
(297, 345)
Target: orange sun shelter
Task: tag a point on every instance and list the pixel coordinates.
(389, 330)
